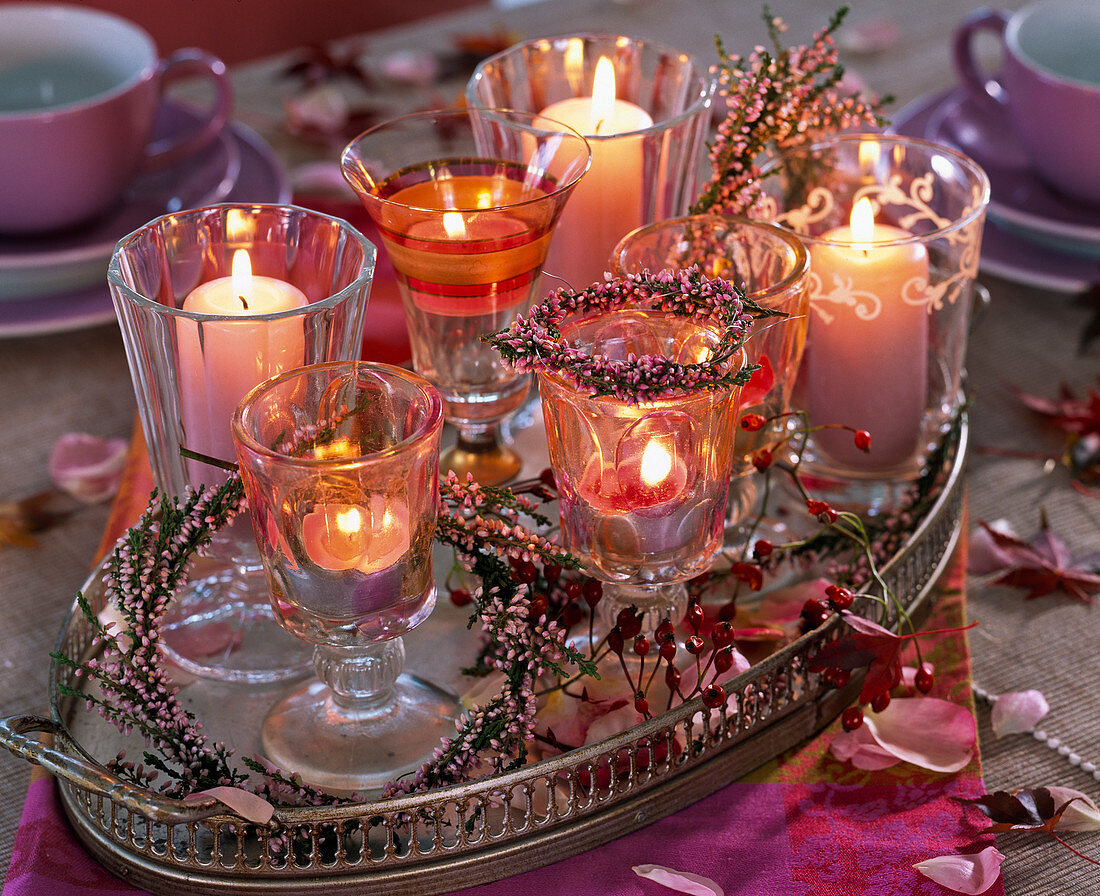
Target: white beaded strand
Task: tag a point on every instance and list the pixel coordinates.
(1040, 735)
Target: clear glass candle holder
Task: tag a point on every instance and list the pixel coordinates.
(893, 226)
(771, 267)
(466, 202)
(340, 466)
(642, 487)
(196, 343)
(647, 136)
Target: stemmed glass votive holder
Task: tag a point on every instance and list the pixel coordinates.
(893, 227)
(340, 467)
(770, 266)
(466, 202)
(197, 341)
(642, 106)
(639, 380)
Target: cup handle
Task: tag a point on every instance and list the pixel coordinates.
(186, 63)
(983, 86)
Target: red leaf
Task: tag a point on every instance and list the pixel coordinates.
(869, 645)
(1078, 416)
(1043, 565)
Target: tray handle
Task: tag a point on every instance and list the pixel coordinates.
(61, 758)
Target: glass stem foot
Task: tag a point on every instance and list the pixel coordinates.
(482, 452)
(362, 724)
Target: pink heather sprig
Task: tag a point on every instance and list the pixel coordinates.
(146, 569)
(493, 737)
(474, 518)
(534, 342)
(776, 99)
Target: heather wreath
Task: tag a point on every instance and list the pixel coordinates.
(535, 343)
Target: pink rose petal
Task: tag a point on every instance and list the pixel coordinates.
(245, 804)
(87, 467)
(323, 109)
(860, 748)
(416, 67)
(926, 731)
(1017, 712)
(872, 36)
(680, 881)
(1081, 815)
(971, 874)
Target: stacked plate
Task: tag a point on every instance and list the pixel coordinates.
(1034, 234)
(58, 282)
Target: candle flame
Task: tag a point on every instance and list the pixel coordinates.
(603, 94)
(242, 276)
(869, 152)
(341, 447)
(454, 225)
(862, 223)
(656, 464)
(349, 521)
(573, 60)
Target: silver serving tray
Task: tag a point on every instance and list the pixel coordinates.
(462, 835)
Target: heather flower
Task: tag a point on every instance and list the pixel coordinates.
(776, 99)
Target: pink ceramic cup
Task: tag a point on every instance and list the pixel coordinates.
(1049, 86)
(79, 92)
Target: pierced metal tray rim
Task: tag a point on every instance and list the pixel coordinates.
(624, 808)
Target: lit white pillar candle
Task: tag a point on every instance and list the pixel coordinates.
(220, 366)
(606, 203)
(867, 350)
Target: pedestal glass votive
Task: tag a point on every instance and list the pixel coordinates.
(893, 226)
(466, 202)
(645, 121)
(770, 266)
(642, 486)
(197, 341)
(340, 467)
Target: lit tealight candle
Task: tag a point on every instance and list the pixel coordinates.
(867, 354)
(606, 204)
(656, 480)
(340, 537)
(232, 356)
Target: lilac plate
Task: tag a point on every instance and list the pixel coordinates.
(1015, 252)
(260, 179)
(62, 262)
(1020, 200)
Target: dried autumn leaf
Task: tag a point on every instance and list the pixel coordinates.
(1024, 810)
(1042, 566)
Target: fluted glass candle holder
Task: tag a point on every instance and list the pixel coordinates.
(197, 342)
(647, 134)
(893, 226)
(770, 266)
(642, 486)
(340, 466)
(466, 202)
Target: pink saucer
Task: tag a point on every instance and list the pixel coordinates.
(1027, 222)
(1020, 201)
(260, 179)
